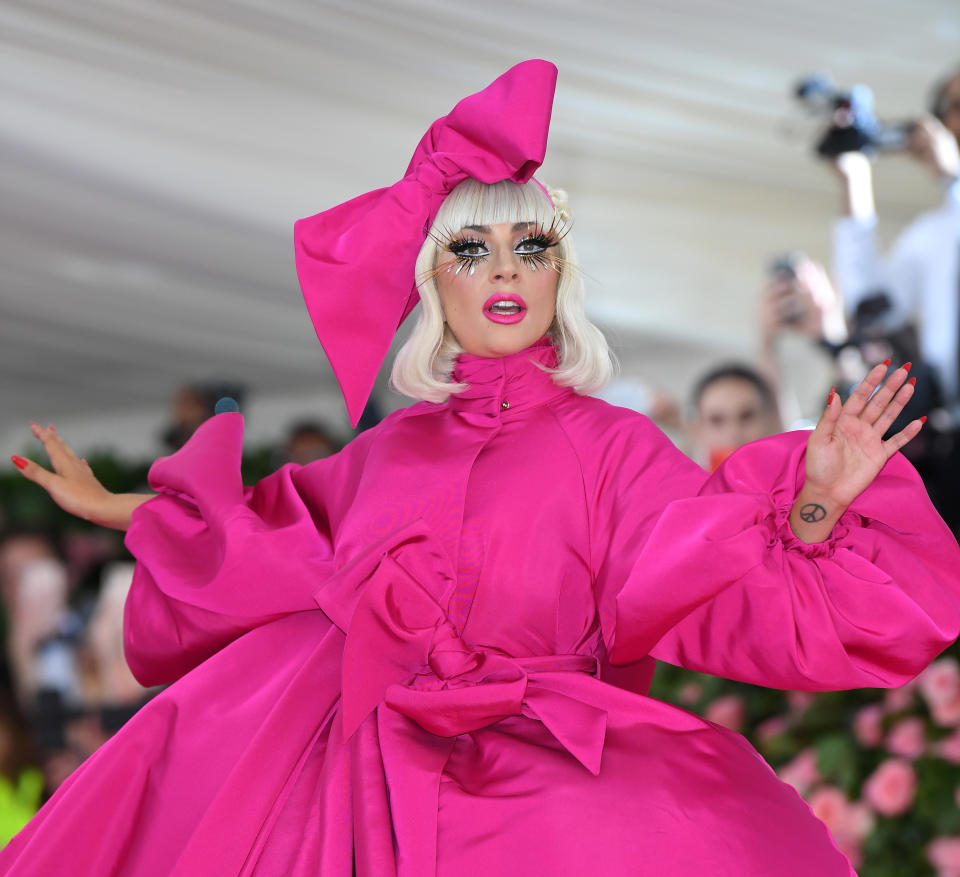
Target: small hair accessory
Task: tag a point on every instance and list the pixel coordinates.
(356, 261)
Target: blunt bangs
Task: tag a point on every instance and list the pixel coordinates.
(473, 203)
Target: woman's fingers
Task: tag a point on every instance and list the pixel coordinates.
(909, 432)
(34, 472)
(831, 414)
(864, 390)
(877, 405)
(60, 454)
(894, 407)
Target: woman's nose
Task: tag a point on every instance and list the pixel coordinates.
(505, 266)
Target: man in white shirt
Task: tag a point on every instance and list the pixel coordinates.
(921, 273)
(920, 277)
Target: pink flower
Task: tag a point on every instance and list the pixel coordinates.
(940, 682)
(849, 823)
(690, 693)
(898, 699)
(771, 727)
(908, 738)
(946, 714)
(800, 700)
(956, 795)
(828, 804)
(727, 711)
(949, 748)
(867, 725)
(944, 854)
(801, 773)
(891, 788)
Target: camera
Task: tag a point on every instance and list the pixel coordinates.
(853, 126)
(784, 269)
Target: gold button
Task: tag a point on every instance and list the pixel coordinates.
(504, 404)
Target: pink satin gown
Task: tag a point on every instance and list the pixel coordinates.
(400, 660)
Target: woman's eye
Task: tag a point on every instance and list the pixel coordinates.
(469, 249)
(531, 246)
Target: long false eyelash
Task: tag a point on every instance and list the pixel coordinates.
(547, 237)
(458, 248)
(550, 235)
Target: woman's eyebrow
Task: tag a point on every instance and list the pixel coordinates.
(485, 229)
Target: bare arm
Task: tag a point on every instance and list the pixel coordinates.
(73, 486)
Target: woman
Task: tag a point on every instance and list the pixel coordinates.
(428, 654)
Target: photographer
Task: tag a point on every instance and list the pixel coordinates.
(919, 278)
(921, 274)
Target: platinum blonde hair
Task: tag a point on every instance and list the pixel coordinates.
(423, 365)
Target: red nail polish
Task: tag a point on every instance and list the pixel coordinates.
(830, 397)
(923, 419)
(906, 366)
(19, 462)
(912, 381)
(886, 362)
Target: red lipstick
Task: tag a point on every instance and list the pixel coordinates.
(503, 308)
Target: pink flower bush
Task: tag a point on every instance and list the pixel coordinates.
(802, 772)
(891, 788)
(949, 748)
(690, 693)
(940, 682)
(727, 711)
(898, 699)
(908, 738)
(944, 854)
(946, 714)
(849, 822)
(868, 725)
(800, 701)
(940, 686)
(771, 727)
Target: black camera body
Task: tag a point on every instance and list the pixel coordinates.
(853, 125)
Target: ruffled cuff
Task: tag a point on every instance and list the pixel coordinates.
(783, 533)
(724, 586)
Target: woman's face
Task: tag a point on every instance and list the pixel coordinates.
(498, 286)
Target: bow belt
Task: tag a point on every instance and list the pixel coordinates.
(402, 650)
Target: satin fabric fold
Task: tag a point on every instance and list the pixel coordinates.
(384, 663)
(402, 650)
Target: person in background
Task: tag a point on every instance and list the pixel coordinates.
(21, 781)
(800, 302)
(191, 405)
(308, 440)
(733, 404)
(920, 276)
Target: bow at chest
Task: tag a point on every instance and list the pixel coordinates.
(402, 650)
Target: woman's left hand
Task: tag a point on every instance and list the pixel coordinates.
(846, 450)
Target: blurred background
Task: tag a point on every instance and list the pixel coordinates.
(153, 158)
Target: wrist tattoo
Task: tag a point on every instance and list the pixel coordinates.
(811, 513)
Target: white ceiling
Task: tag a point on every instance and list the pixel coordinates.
(153, 156)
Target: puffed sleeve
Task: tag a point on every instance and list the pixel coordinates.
(706, 573)
(215, 559)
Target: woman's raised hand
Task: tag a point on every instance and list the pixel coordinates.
(72, 484)
(846, 450)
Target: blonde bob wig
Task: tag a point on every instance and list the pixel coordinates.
(423, 365)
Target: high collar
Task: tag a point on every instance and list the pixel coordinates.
(500, 387)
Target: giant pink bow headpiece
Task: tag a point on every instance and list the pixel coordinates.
(356, 261)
